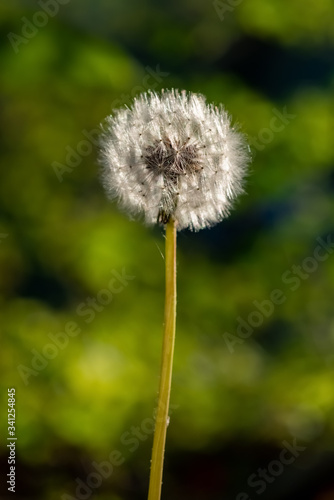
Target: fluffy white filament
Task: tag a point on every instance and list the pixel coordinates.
(172, 155)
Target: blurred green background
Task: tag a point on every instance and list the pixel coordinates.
(236, 401)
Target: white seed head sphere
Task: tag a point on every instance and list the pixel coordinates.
(172, 155)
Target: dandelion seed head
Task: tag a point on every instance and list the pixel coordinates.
(173, 155)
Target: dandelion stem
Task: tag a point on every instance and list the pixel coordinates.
(166, 366)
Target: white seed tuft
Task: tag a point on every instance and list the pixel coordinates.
(172, 155)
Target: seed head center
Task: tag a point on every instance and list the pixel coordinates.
(162, 157)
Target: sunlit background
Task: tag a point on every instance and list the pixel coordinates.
(254, 355)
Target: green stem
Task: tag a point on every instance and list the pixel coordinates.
(166, 366)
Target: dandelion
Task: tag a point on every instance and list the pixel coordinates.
(178, 162)
(172, 155)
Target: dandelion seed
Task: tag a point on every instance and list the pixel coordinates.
(172, 155)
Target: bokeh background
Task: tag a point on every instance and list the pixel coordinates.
(236, 401)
